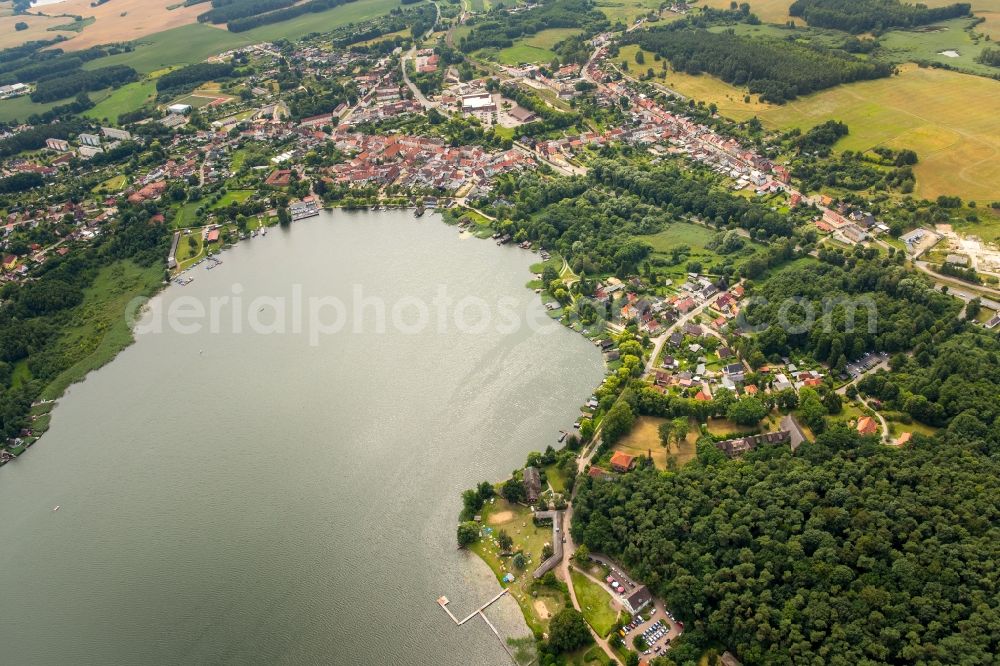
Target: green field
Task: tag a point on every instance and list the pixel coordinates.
(125, 99)
(595, 603)
(19, 108)
(931, 42)
(536, 48)
(680, 233)
(626, 11)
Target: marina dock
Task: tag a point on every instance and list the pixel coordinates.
(443, 603)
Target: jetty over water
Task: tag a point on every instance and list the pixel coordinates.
(443, 603)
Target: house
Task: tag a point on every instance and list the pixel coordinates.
(213, 236)
(9, 262)
(58, 145)
(734, 448)
(92, 140)
(179, 109)
(532, 484)
(116, 134)
(638, 600)
(622, 462)
(867, 425)
(904, 438)
(279, 178)
(478, 102)
(703, 396)
(596, 472)
(522, 115)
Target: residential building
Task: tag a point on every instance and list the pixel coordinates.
(638, 600)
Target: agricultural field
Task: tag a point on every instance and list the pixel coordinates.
(948, 118)
(626, 11)
(536, 48)
(769, 11)
(39, 27)
(121, 20)
(948, 43)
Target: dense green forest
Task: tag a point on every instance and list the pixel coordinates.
(778, 70)
(847, 553)
(223, 12)
(499, 29)
(857, 16)
(83, 80)
(846, 305)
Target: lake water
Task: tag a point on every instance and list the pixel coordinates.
(257, 498)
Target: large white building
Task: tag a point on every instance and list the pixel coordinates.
(478, 102)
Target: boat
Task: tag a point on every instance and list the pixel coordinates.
(56, 507)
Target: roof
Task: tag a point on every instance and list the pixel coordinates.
(641, 596)
(867, 425)
(904, 438)
(622, 459)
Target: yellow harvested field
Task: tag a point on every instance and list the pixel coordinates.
(38, 28)
(769, 11)
(949, 119)
(122, 20)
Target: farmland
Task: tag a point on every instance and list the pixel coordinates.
(769, 11)
(121, 20)
(948, 118)
(38, 28)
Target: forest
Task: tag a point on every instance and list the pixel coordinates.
(848, 552)
(84, 80)
(777, 70)
(846, 305)
(499, 30)
(224, 11)
(875, 16)
(251, 22)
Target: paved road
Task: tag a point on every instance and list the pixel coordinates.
(659, 341)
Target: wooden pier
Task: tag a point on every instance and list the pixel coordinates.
(443, 603)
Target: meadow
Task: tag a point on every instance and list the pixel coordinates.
(626, 11)
(535, 49)
(127, 98)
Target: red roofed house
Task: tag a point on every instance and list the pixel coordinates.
(703, 396)
(279, 178)
(867, 425)
(213, 236)
(622, 462)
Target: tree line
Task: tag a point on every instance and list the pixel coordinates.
(84, 80)
(857, 16)
(224, 11)
(775, 69)
(251, 22)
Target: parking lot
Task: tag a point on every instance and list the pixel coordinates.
(866, 363)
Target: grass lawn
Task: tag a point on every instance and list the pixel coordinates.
(185, 216)
(113, 184)
(595, 602)
(725, 427)
(237, 196)
(645, 439)
(555, 477)
(537, 605)
(127, 98)
(535, 49)
(97, 329)
(185, 252)
(680, 233)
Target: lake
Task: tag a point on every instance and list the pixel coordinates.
(232, 493)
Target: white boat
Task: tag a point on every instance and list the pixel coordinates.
(56, 507)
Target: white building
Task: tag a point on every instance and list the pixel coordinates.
(115, 133)
(89, 140)
(179, 109)
(478, 102)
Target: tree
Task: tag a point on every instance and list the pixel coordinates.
(666, 431)
(519, 560)
(747, 411)
(20, 26)
(568, 631)
(468, 533)
(513, 490)
(582, 555)
(505, 541)
(833, 403)
(618, 422)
